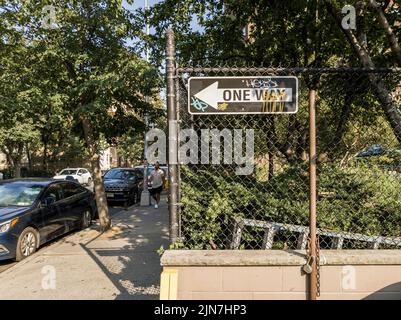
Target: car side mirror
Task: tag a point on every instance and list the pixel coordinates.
(48, 201)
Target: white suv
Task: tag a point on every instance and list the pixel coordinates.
(80, 175)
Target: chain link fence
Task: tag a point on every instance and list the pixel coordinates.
(358, 165)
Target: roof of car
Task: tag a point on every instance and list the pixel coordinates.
(120, 168)
(72, 169)
(151, 165)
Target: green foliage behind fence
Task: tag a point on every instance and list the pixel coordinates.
(358, 198)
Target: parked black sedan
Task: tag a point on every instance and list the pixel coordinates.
(34, 211)
(123, 185)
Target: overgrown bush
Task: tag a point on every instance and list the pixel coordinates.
(359, 199)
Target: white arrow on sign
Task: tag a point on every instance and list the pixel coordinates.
(212, 95)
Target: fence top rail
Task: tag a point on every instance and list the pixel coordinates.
(322, 232)
(196, 69)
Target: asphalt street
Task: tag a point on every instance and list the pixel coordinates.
(4, 265)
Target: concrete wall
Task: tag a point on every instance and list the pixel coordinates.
(276, 274)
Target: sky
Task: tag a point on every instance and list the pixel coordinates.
(141, 4)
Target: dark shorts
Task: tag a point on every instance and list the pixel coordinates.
(156, 190)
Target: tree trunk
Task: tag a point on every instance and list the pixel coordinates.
(17, 170)
(361, 24)
(45, 148)
(390, 108)
(100, 195)
(290, 147)
(392, 38)
(302, 144)
(14, 159)
(16, 165)
(29, 156)
(344, 116)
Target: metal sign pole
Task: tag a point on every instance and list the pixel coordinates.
(312, 193)
(172, 138)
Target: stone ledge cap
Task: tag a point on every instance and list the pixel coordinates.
(277, 257)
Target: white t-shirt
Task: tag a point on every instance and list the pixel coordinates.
(157, 177)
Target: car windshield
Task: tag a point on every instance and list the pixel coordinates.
(68, 171)
(117, 174)
(18, 194)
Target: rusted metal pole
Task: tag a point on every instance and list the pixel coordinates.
(172, 138)
(178, 107)
(312, 193)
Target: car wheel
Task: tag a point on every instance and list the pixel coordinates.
(89, 183)
(27, 243)
(86, 219)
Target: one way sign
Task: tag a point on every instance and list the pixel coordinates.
(243, 95)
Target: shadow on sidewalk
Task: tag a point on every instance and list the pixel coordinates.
(127, 253)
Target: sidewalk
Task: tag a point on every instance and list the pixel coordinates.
(122, 263)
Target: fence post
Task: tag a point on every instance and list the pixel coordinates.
(312, 194)
(178, 108)
(172, 138)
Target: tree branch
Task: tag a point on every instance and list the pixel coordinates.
(361, 24)
(392, 38)
(388, 104)
(351, 37)
(70, 69)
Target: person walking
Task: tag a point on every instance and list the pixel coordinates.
(157, 179)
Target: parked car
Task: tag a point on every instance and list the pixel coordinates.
(149, 171)
(123, 185)
(80, 175)
(35, 211)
